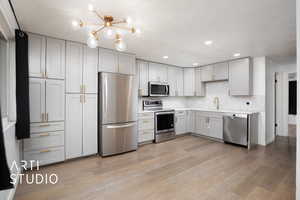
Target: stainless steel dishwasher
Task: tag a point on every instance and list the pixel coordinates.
(241, 129)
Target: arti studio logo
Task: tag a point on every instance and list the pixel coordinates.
(31, 178)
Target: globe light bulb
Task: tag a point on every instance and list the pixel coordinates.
(129, 20)
(92, 42)
(75, 24)
(109, 33)
(120, 45)
(91, 7)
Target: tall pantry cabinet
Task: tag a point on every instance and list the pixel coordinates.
(46, 96)
(81, 100)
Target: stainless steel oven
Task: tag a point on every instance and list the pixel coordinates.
(158, 89)
(164, 125)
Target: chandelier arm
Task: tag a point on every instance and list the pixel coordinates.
(99, 29)
(99, 15)
(92, 24)
(119, 22)
(124, 28)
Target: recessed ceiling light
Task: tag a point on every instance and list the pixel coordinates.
(165, 57)
(236, 54)
(195, 64)
(208, 42)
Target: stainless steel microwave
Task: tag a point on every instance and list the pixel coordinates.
(158, 89)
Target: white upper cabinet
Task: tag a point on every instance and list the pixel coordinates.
(55, 100)
(189, 82)
(90, 70)
(37, 99)
(126, 63)
(175, 80)
(143, 77)
(73, 125)
(215, 72)
(158, 72)
(108, 60)
(207, 73)
(55, 58)
(172, 81)
(74, 67)
(240, 77)
(199, 85)
(220, 71)
(36, 55)
(90, 134)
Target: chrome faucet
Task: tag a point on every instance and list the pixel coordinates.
(217, 102)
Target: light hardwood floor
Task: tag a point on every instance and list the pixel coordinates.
(187, 168)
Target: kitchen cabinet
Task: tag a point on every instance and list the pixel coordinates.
(46, 143)
(36, 55)
(55, 58)
(90, 133)
(108, 60)
(74, 63)
(189, 82)
(81, 68)
(220, 71)
(143, 68)
(81, 125)
(90, 70)
(55, 100)
(175, 80)
(209, 125)
(73, 126)
(146, 127)
(46, 100)
(190, 121)
(215, 72)
(37, 101)
(199, 84)
(240, 77)
(180, 122)
(158, 72)
(126, 63)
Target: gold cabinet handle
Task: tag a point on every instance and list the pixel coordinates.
(44, 125)
(44, 134)
(80, 98)
(43, 117)
(47, 117)
(45, 151)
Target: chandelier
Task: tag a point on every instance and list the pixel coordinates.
(108, 27)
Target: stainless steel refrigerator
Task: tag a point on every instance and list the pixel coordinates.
(117, 113)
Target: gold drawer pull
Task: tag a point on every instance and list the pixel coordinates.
(45, 151)
(44, 134)
(44, 125)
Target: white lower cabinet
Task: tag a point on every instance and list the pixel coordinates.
(81, 125)
(180, 122)
(90, 136)
(146, 127)
(46, 143)
(190, 121)
(210, 125)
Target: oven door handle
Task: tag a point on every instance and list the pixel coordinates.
(163, 113)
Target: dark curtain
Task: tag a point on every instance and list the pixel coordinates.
(292, 97)
(22, 85)
(5, 182)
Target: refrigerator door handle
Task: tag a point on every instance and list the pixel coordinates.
(121, 126)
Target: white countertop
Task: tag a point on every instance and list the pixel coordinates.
(204, 110)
